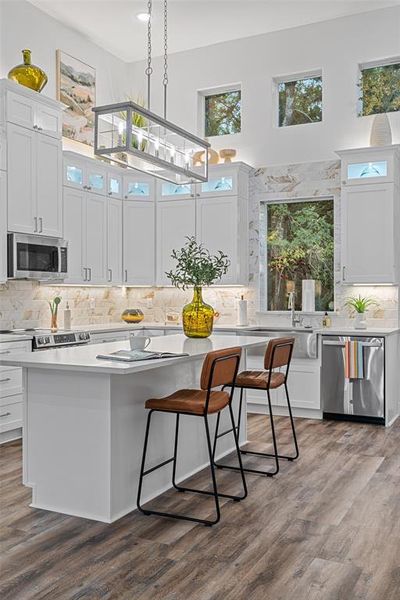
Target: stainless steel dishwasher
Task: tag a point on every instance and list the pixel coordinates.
(353, 399)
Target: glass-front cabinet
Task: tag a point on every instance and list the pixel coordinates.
(114, 184)
(84, 173)
(368, 165)
(137, 187)
(221, 182)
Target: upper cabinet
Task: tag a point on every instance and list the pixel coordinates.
(370, 216)
(86, 174)
(215, 212)
(28, 109)
(3, 226)
(30, 149)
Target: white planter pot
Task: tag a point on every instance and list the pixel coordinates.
(360, 321)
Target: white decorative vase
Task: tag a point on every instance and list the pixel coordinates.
(381, 133)
(360, 321)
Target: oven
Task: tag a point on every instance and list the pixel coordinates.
(36, 257)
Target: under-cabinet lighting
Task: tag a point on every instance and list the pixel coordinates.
(143, 17)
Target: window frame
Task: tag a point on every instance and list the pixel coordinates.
(263, 251)
(201, 112)
(276, 80)
(363, 66)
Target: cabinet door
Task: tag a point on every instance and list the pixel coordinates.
(21, 183)
(368, 234)
(217, 229)
(48, 120)
(169, 191)
(20, 110)
(218, 185)
(114, 242)
(49, 185)
(96, 178)
(114, 185)
(74, 233)
(176, 220)
(3, 148)
(96, 238)
(139, 242)
(304, 384)
(135, 188)
(3, 227)
(74, 172)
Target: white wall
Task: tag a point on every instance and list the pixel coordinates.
(22, 25)
(336, 47)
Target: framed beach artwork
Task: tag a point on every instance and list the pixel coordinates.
(76, 88)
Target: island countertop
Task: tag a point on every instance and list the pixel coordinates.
(84, 358)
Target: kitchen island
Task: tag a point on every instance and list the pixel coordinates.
(85, 421)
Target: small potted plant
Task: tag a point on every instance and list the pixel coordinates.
(197, 268)
(53, 304)
(360, 305)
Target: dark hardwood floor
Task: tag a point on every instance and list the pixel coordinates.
(326, 528)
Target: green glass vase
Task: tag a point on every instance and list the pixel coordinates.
(27, 74)
(197, 317)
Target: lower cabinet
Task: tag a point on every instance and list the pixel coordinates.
(85, 229)
(303, 385)
(138, 242)
(3, 226)
(11, 400)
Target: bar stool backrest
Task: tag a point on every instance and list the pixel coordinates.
(220, 368)
(278, 353)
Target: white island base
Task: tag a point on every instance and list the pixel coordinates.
(85, 422)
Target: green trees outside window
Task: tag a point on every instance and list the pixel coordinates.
(222, 113)
(300, 245)
(380, 89)
(300, 101)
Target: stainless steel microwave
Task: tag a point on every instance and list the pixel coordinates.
(36, 257)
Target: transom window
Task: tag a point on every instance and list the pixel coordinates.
(222, 113)
(297, 242)
(300, 100)
(380, 88)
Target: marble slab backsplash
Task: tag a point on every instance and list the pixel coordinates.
(24, 304)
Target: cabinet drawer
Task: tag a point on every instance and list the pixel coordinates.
(102, 338)
(10, 382)
(10, 416)
(8, 349)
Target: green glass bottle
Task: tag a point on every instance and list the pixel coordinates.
(197, 317)
(27, 74)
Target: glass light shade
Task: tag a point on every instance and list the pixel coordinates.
(131, 135)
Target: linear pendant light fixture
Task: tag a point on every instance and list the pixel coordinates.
(135, 137)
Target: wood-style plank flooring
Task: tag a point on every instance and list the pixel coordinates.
(326, 528)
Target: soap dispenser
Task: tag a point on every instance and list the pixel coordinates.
(67, 317)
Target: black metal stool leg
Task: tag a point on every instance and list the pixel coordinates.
(293, 427)
(236, 436)
(146, 439)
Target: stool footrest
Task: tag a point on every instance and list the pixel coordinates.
(158, 466)
(207, 493)
(268, 455)
(267, 473)
(226, 432)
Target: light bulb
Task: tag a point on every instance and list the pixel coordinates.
(120, 128)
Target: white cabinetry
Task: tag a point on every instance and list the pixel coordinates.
(215, 212)
(85, 174)
(114, 242)
(3, 226)
(34, 161)
(138, 242)
(11, 405)
(176, 220)
(370, 216)
(85, 228)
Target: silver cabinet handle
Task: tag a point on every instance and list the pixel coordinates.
(84, 269)
(344, 273)
(35, 127)
(5, 352)
(7, 414)
(5, 380)
(363, 344)
(36, 223)
(126, 275)
(90, 273)
(41, 224)
(109, 274)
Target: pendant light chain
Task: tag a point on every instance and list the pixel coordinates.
(149, 69)
(165, 77)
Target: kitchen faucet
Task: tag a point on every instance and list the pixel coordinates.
(295, 319)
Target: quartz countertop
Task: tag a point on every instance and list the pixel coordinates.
(83, 358)
(14, 337)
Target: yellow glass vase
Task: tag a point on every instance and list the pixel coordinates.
(197, 317)
(27, 74)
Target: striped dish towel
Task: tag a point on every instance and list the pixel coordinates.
(353, 360)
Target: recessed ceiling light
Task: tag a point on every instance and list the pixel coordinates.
(144, 17)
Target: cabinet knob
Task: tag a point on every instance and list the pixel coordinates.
(344, 182)
(110, 193)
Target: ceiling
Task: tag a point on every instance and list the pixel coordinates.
(113, 25)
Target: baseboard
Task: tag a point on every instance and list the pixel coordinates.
(282, 411)
(10, 436)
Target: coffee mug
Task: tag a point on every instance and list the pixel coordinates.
(139, 342)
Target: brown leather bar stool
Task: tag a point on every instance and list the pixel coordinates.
(278, 355)
(219, 369)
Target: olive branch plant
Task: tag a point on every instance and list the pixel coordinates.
(196, 266)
